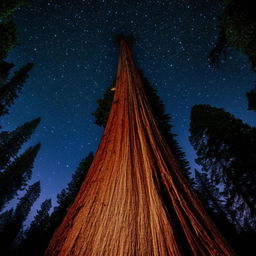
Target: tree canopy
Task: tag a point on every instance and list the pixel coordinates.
(237, 31)
(225, 148)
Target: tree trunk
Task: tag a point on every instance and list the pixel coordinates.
(134, 200)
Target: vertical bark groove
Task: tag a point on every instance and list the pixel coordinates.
(135, 201)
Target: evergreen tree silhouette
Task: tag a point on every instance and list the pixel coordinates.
(225, 148)
(14, 225)
(15, 171)
(34, 242)
(8, 29)
(212, 200)
(16, 175)
(10, 90)
(11, 142)
(237, 30)
(65, 199)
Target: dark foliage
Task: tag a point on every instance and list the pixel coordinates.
(162, 119)
(104, 105)
(226, 151)
(8, 29)
(65, 199)
(225, 148)
(17, 174)
(237, 31)
(5, 68)
(8, 37)
(67, 196)
(11, 142)
(13, 224)
(8, 7)
(10, 90)
(33, 242)
(15, 171)
(5, 219)
(251, 96)
(210, 196)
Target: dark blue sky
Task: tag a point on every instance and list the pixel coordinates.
(75, 60)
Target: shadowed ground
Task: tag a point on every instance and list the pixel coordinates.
(135, 200)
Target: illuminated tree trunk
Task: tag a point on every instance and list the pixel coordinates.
(134, 200)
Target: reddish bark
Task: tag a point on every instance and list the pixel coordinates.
(134, 200)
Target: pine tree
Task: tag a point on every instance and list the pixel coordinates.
(15, 224)
(17, 174)
(5, 68)
(8, 29)
(34, 237)
(162, 119)
(5, 219)
(8, 7)
(212, 200)
(64, 199)
(11, 90)
(237, 30)
(8, 37)
(209, 194)
(226, 151)
(14, 171)
(251, 97)
(67, 196)
(11, 142)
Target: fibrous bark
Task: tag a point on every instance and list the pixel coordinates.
(134, 200)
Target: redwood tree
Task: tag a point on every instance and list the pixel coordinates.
(163, 120)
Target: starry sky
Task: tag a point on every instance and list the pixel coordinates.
(70, 43)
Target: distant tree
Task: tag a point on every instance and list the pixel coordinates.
(209, 193)
(8, 30)
(162, 119)
(225, 148)
(212, 199)
(10, 90)
(17, 174)
(8, 7)
(5, 219)
(14, 171)
(251, 97)
(65, 199)
(8, 39)
(104, 104)
(67, 196)
(237, 31)
(13, 227)
(11, 142)
(213, 202)
(33, 242)
(5, 68)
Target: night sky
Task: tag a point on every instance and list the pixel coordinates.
(70, 43)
